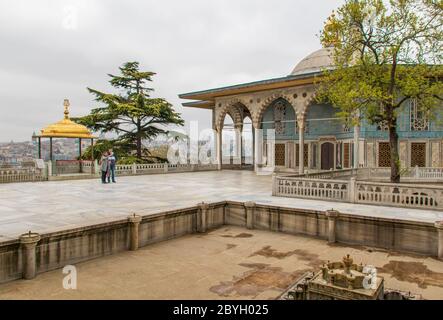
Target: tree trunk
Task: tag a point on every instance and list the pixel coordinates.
(395, 159)
(139, 140)
(139, 147)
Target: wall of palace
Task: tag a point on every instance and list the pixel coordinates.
(328, 142)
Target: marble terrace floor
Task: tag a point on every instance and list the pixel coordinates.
(50, 206)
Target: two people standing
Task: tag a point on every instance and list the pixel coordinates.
(107, 165)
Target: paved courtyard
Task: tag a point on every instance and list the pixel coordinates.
(49, 206)
(228, 263)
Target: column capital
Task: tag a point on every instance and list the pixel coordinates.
(332, 214)
(30, 239)
(135, 218)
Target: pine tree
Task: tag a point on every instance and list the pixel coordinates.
(131, 113)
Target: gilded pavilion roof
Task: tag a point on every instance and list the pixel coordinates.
(66, 128)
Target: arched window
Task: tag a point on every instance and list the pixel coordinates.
(419, 120)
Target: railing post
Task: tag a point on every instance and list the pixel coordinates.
(165, 168)
(49, 166)
(332, 221)
(134, 168)
(96, 167)
(439, 226)
(28, 243)
(274, 184)
(134, 223)
(202, 217)
(352, 189)
(250, 212)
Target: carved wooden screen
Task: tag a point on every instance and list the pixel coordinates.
(305, 155)
(346, 154)
(280, 154)
(384, 154)
(418, 154)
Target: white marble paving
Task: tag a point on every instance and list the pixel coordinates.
(49, 206)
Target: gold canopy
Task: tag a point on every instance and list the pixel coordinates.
(66, 128)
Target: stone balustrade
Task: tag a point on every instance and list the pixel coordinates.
(70, 168)
(354, 191)
(22, 175)
(156, 168)
(326, 189)
(399, 195)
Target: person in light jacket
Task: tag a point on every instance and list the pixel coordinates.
(104, 166)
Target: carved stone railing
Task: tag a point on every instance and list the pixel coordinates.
(73, 167)
(399, 195)
(353, 191)
(156, 168)
(22, 175)
(427, 173)
(326, 189)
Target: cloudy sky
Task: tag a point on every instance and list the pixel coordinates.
(51, 50)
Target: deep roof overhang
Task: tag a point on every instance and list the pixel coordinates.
(208, 96)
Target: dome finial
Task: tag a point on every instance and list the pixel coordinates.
(66, 104)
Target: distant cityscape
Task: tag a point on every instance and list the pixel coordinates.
(15, 153)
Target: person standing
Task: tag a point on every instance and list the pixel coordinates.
(111, 166)
(104, 166)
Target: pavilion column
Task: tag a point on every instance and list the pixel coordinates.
(92, 157)
(219, 148)
(50, 148)
(258, 147)
(253, 146)
(301, 144)
(238, 144)
(39, 147)
(356, 145)
(80, 154)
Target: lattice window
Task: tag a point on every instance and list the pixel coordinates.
(383, 126)
(280, 117)
(305, 155)
(280, 154)
(384, 154)
(346, 126)
(346, 155)
(419, 120)
(418, 154)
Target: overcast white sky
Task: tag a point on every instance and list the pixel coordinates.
(51, 50)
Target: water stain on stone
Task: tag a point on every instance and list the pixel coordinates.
(261, 278)
(257, 266)
(304, 255)
(240, 235)
(230, 246)
(388, 252)
(414, 272)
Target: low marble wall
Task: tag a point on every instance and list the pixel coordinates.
(398, 235)
(58, 249)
